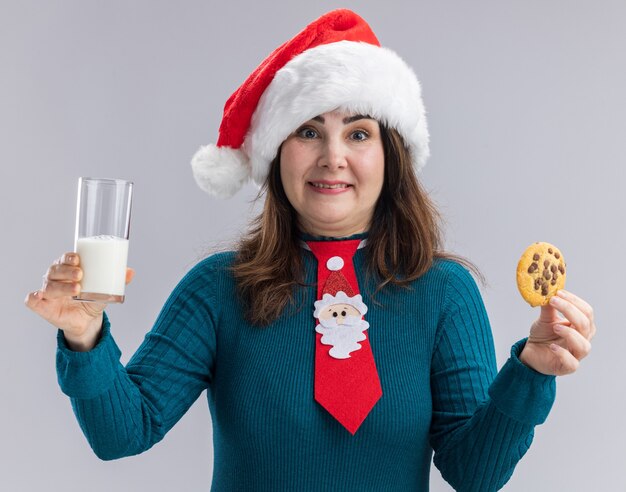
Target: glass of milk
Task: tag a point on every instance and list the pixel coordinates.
(101, 241)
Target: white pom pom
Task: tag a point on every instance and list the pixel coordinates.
(220, 171)
(335, 263)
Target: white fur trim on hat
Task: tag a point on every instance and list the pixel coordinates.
(340, 298)
(353, 76)
(220, 171)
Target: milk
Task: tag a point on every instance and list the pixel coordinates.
(103, 260)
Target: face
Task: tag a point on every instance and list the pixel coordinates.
(332, 170)
(340, 312)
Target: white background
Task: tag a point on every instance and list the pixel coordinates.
(526, 108)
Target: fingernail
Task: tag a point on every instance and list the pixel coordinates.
(558, 328)
(554, 347)
(555, 301)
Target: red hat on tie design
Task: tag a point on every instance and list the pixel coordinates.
(337, 290)
(336, 62)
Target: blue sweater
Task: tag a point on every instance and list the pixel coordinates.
(433, 349)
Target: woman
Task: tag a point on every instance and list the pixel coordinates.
(397, 359)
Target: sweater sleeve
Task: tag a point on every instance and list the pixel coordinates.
(483, 422)
(125, 410)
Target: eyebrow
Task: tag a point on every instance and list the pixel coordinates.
(346, 120)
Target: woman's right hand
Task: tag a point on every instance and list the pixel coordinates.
(80, 321)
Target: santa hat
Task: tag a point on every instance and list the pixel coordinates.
(336, 62)
(337, 290)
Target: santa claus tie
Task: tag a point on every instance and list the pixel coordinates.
(346, 380)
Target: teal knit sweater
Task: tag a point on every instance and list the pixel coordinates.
(433, 349)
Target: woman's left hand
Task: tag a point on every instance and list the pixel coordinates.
(557, 345)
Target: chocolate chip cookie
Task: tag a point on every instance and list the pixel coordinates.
(540, 273)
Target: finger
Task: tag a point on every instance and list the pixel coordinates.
(64, 272)
(584, 306)
(65, 268)
(37, 303)
(578, 319)
(68, 257)
(564, 361)
(33, 299)
(577, 344)
(71, 258)
(130, 274)
(548, 314)
(53, 289)
(577, 301)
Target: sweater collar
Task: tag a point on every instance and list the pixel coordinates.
(304, 237)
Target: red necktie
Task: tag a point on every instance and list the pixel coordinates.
(347, 387)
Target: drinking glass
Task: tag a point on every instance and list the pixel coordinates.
(101, 240)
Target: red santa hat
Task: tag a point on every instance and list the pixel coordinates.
(336, 62)
(337, 290)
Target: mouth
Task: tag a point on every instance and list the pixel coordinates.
(329, 185)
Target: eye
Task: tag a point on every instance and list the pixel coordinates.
(343, 313)
(335, 314)
(359, 135)
(307, 132)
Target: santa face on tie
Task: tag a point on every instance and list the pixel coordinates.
(341, 323)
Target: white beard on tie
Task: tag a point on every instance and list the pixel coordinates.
(343, 337)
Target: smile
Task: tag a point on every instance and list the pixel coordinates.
(329, 186)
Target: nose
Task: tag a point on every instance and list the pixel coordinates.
(334, 156)
(341, 317)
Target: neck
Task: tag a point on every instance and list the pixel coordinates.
(336, 232)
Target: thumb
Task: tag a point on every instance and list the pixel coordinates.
(130, 274)
(548, 313)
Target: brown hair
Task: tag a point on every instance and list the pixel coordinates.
(405, 236)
